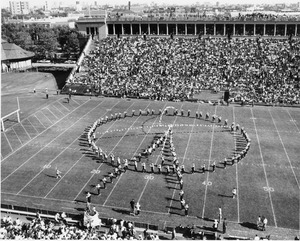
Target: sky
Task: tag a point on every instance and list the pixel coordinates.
(5, 3)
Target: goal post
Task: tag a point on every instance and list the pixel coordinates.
(6, 117)
(9, 116)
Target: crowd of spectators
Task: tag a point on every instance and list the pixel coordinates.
(259, 70)
(255, 16)
(44, 228)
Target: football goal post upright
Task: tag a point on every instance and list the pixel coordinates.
(3, 118)
(18, 110)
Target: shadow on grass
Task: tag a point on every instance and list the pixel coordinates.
(122, 211)
(171, 182)
(249, 225)
(171, 199)
(80, 209)
(206, 219)
(210, 229)
(84, 144)
(173, 208)
(84, 149)
(223, 195)
(177, 213)
(173, 188)
(53, 176)
(88, 155)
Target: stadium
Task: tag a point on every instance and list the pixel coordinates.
(152, 114)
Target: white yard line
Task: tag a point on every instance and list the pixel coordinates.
(133, 155)
(38, 204)
(108, 154)
(39, 134)
(262, 159)
(209, 159)
(49, 163)
(41, 149)
(46, 116)
(78, 159)
(8, 143)
(36, 111)
(64, 106)
(293, 121)
(17, 135)
(284, 149)
(183, 159)
(145, 211)
(40, 121)
(51, 113)
(58, 110)
(25, 130)
(32, 125)
(72, 99)
(236, 172)
(142, 193)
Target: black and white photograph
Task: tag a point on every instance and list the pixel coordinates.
(150, 120)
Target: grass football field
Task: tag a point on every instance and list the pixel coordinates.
(52, 135)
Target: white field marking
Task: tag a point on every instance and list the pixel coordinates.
(10, 200)
(46, 116)
(34, 112)
(209, 159)
(17, 135)
(149, 177)
(32, 125)
(40, 133)
(63, 149)
(40, 149)
(145, 211)
(236, 172)
(142, 193)
(67, 208)
(293, 121)
(107, 155)
(72, 99)
(58, 110)
(183, 159)
(64, 106)
(75, 162)
(51, 112)
(39, 204)
(25, 130)
(31, 196)
(268, 189)
(209, 183)
(132, 156)
(8, 143)
(40, 121)
(284, 149)
(262, 159)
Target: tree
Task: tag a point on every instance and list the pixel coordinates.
(62, 33)
(46, 45)
(72, 44)
(9, 31)
(5, 15)
(23, 39)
